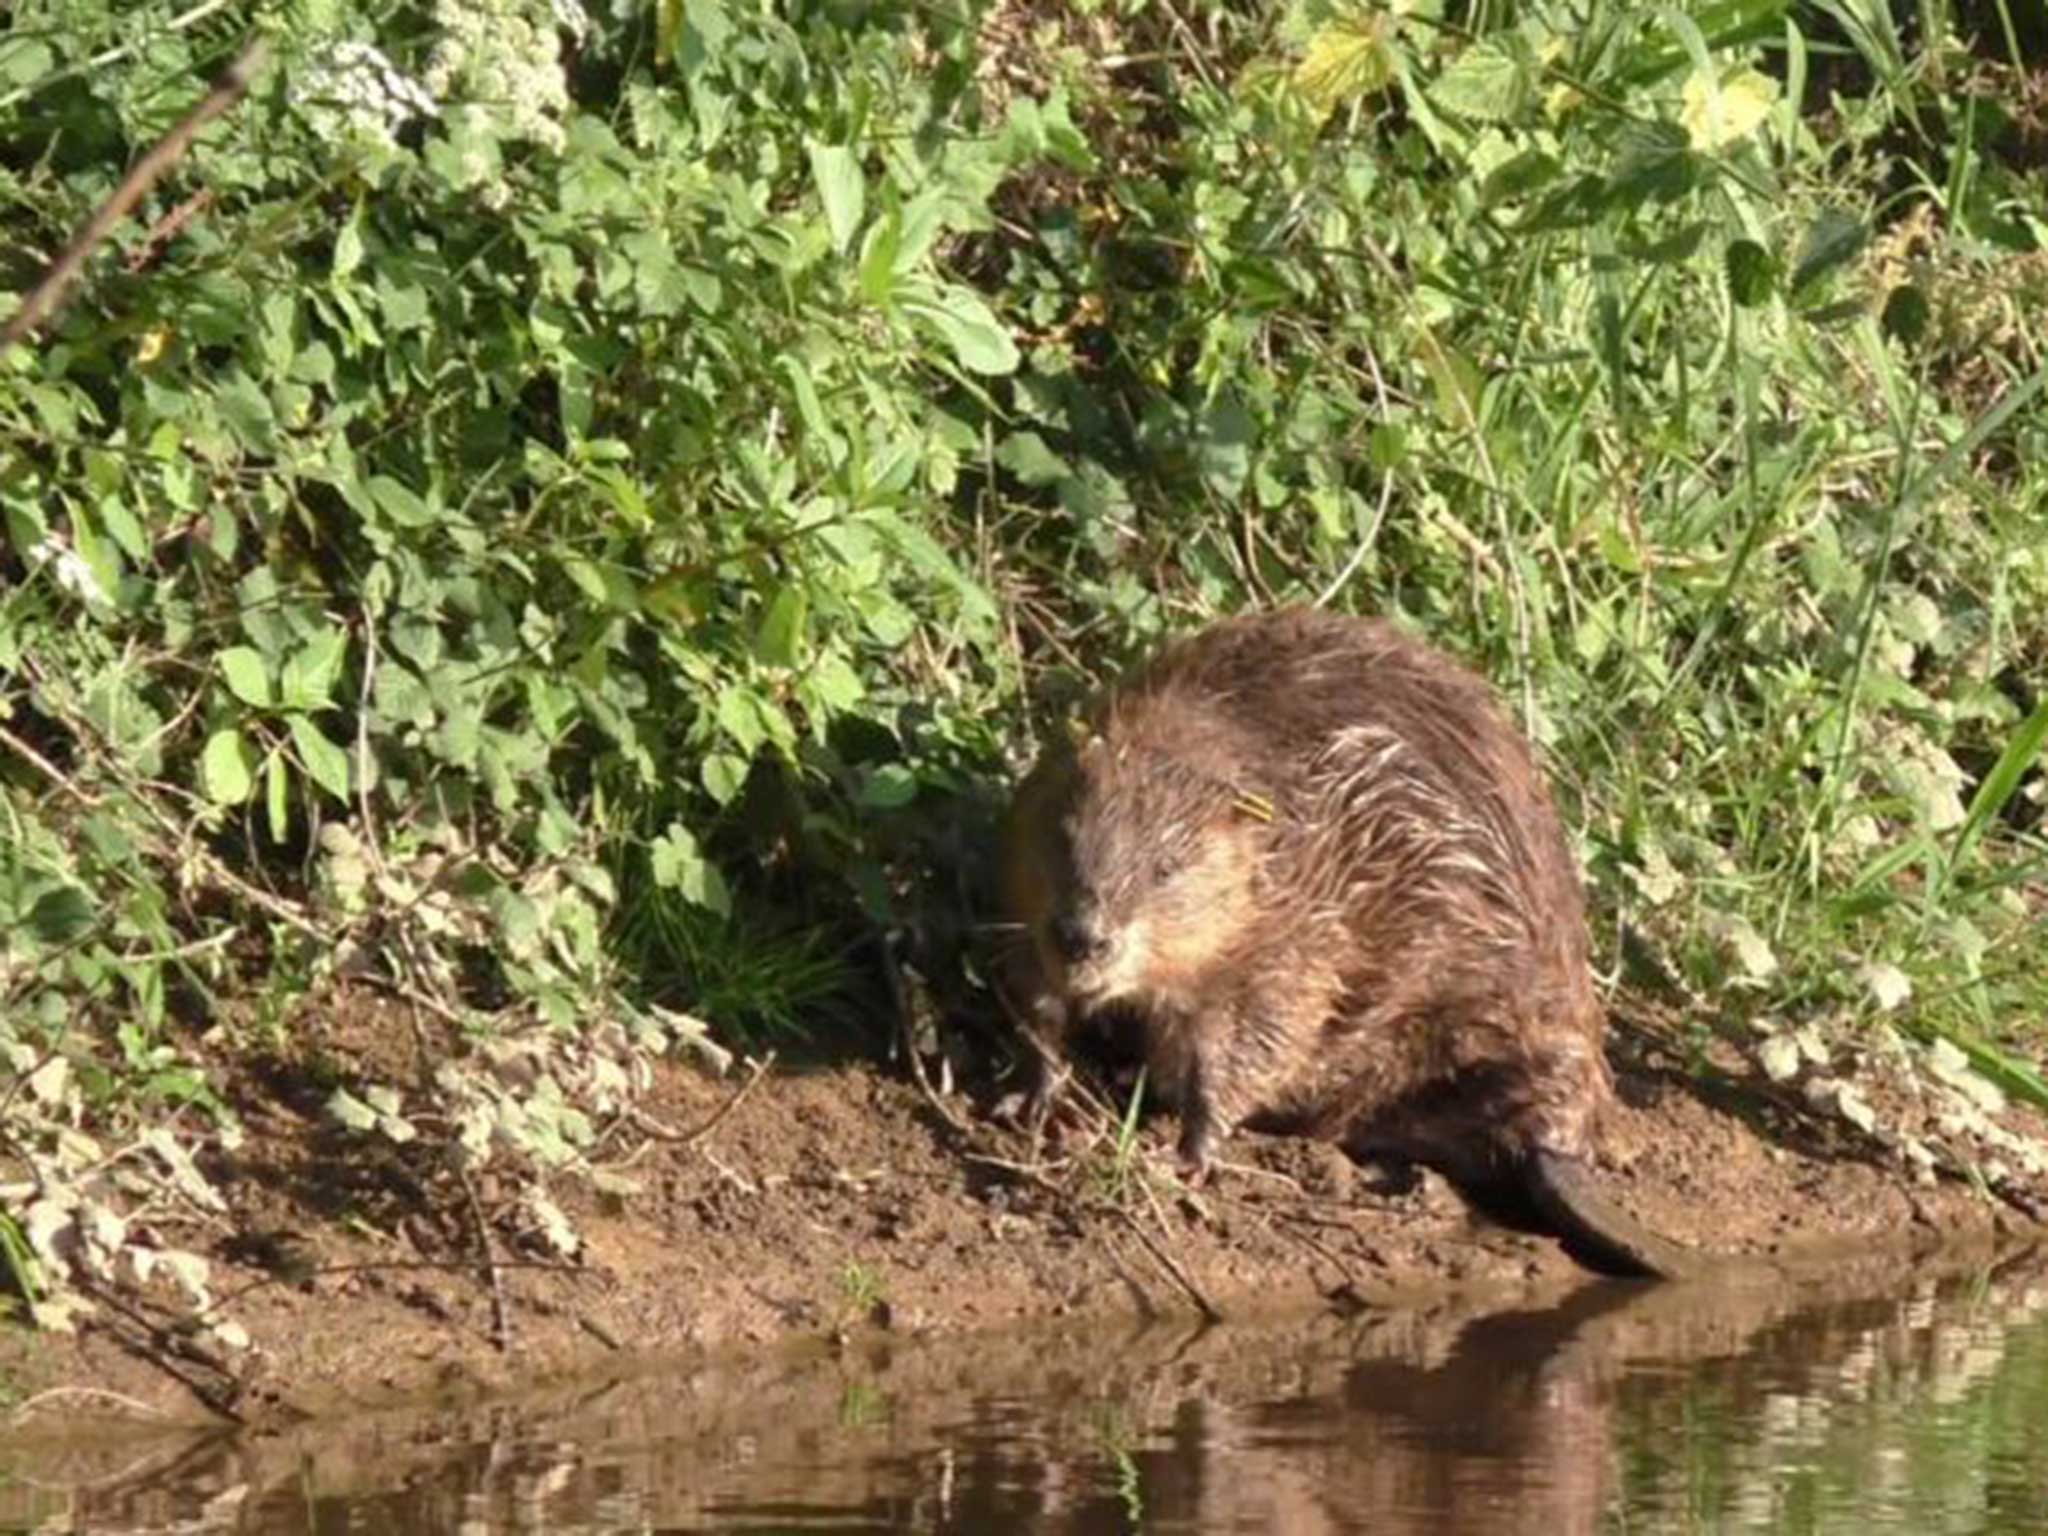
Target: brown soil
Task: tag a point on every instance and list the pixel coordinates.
(838, 1198)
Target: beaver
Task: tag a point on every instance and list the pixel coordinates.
(1306, 867)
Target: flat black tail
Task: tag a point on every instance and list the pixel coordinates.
(1596, 1231)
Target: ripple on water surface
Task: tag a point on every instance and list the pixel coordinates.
(1815, 1403)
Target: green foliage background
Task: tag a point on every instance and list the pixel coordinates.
(608, 541)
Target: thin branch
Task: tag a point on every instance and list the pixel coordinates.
(649, 1126)
(47, 296)
(29, 1406)
(906, 1036)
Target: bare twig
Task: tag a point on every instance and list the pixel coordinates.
(906, 1034)
(1370, 538)
(172, 1354)
(649, 1126)
(1033, 1172)
(165, 229)
(1172, 1266)
(47, 296)
(501, 1318)
(322, 1271)
(44, 766)
(363, 715)
(28, 1406)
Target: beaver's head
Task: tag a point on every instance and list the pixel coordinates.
(1156, 868)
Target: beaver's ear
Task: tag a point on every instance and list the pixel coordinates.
(1250, 803)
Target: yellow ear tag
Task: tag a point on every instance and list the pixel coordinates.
(1256, 806)
(1079, 733)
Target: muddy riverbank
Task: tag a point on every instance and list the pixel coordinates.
(830, 1200)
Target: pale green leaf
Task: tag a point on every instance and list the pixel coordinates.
(247, 675)
(1717, 114)
(326, 762)
(968, 326)
(1485, 82)
(836, 169)
(1345, 59)
(224, 767)
(780, 636)
(276, 785)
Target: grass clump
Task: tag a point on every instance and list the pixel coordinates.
(583, 510)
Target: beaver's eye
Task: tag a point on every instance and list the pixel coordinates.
(1167, 861)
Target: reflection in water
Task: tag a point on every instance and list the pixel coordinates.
(1779, 1404)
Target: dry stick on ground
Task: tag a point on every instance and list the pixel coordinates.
(28, 1406)
(321, 1271)
(649, 1126)
(166, 1349)
(906, 1034)
(501, 1317)
(1172, 1266)
(45, 298)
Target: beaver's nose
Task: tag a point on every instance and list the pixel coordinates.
(1074, 939)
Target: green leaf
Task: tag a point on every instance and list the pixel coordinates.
(968, 326)
(246, 409)
(753, 720)
(931, 559)
(1907, 313)
(1025, 455)
(1752, 274)
(61, 915)
(889, 786)
(1833, 239)
(1530, 171)
(811, 410)
(1485, 83)
(1653, 164)
(678, 864)
(326, 762)
(702, 35)
(780, 636)
(276, 787)
(1345, 58)
(668, 29)
(348, 244)
(724, 775)
(247, 674)
(123, 528)
(224, 767)
(1223, 447)
(878, 257)
(1717, 113)
(2020, 754)
(312, 671)
(24, 60)
(835, 685)
(399, 503)
(836, 169)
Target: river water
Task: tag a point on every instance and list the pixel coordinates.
(1852, 1397)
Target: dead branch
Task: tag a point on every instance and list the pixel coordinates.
(47, 296)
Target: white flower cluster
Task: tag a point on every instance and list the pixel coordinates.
(368, 93)
(504, 59)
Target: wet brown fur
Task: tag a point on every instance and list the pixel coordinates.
(1314, 863)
